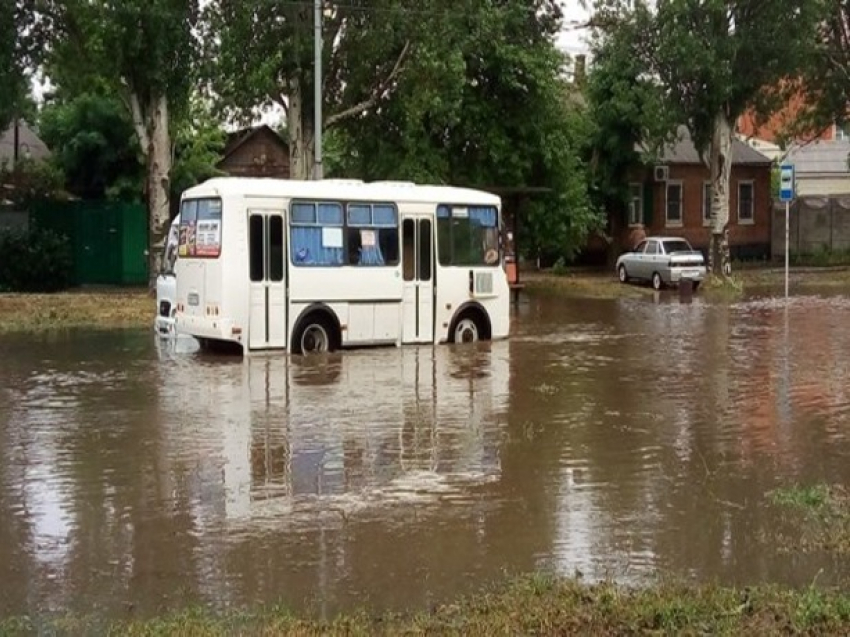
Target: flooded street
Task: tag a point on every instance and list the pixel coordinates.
(620, 439)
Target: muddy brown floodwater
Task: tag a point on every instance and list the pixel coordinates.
(616, 438)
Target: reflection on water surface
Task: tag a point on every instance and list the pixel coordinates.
(615, 438)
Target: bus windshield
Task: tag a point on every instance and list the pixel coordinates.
(468, 235)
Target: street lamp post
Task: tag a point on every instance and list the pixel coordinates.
(317, 96)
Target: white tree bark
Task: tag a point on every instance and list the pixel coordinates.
(302, 160)
(719, 262)
(151, 121)
(158, 184)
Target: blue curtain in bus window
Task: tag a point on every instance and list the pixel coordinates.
(483, 216)
(311, 244)
(443, 212)
(308, 247)
(371, 255)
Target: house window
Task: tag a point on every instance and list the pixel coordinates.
(842, 131)
(745, 202)
(706, 203)
(674, 203)
(636, 217)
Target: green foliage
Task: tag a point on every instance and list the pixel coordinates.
(811, 497)
(481, 102)
(144, 48)
(825, 80)
(198, 144)
(34, 260)
(92, 140)
(629, 114)
(717, 56)
(538, 604)
(31, 180)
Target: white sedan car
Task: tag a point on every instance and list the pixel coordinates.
(662, 261)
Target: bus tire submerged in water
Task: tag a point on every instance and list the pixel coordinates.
(315, 333)
(470, 325)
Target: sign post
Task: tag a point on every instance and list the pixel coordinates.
(786, 194)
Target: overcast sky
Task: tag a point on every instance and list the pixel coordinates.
(573, 40)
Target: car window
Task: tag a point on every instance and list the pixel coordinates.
(652, 247)
(640, 247)
(680, 245)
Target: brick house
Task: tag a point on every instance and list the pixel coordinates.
(673, 198)
(777, 125)
(255, 152)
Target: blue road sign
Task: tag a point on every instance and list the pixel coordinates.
(786, 182)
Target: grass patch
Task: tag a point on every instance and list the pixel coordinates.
(584, 285)
(723, 287)
(812, 518)
(37, 312)
(534, 605)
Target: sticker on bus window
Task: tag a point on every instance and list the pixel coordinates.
(367, 238)
(187, 239)
(208, 238)
(331, 237)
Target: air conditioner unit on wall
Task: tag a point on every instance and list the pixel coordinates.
(662, 173)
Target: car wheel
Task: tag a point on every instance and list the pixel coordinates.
(657, 281)
(622, 274)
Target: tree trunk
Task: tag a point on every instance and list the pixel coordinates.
(150, 119)
(301, 139)
(719, 262)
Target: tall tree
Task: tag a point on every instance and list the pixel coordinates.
(145, 50)
(262, 55)
(825, 82)
(715, 59)
(483, 102)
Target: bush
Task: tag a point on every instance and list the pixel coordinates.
(34, 260)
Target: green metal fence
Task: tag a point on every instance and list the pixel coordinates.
(108, 239)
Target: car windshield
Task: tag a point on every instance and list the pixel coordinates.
(677, 246)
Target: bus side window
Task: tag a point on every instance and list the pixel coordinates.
(372, 234)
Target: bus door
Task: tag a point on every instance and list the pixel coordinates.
(267, 257)
(417, 259)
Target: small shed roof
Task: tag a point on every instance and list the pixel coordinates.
(29, 144)
(239, 137)
(821, 158)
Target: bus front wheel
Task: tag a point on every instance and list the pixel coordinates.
(314, 336)
(469, 328)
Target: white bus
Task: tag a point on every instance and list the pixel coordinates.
(313, 266)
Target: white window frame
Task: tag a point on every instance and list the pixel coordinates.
(752, 218)
(679, 222)
(636, 220)
(842, 132)
(706, 205)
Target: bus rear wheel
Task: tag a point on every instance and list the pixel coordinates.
(314, 336)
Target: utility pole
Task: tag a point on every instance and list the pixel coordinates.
(16, 141)
(317, 96)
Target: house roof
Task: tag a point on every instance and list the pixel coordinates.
(239, 137)
(821, 158)
(29, 144)
(683, 151)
